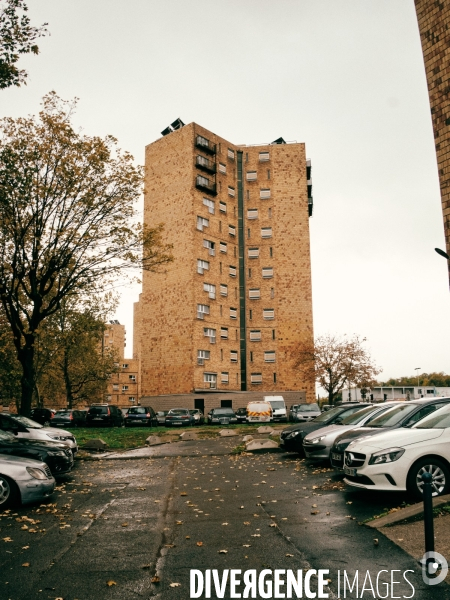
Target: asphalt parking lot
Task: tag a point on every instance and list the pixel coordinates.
(134, 528)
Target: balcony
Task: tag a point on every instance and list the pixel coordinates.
(205, 164)
(205, 144)
(204, 184)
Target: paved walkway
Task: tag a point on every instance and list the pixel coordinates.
(210, 447)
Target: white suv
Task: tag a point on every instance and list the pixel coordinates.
(22, 427)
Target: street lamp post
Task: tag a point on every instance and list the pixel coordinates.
(417, 369)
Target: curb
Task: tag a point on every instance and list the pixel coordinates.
(406, 513)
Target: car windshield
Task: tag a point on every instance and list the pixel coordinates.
(277, 404)
(308, 408)
(178, 411)
(62, 413)
(137, 410)
(437, 420)
(98, 410)
(5, 436)
(27, 422)
(224, 411)
(329, 415)
(394, 416)
(359, 415)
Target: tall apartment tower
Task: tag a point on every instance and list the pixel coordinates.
(237, 298)
(434, 25)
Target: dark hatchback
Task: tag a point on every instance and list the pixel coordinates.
(106, 415)
(406, 414)
(69, 418)
(179, 416)
(58, 457)
(291, 438)
(222, 416)
(141, 416)
(43, 416)
(241, 415)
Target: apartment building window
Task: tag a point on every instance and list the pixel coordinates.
(251, 175)
(264, 156)
(234, 211)
(231, 191)
(211, 246)
(223, 247)
(253, 252)
(124, 388)
(248, 233)
(252, 213)
(230, 154)
(272, 292)
(222, 168)
(251, 356)
(256, 378)
(132, 378)
(269, 213)
(222, 207)
(204, 143)
(254, 293)
(233, 356)
(211, 289)
(202, 310)
(211, 333)
(266, 232)
(115, 387)
(202, 265)
(202, 223)
(210, 379)
(268, 314)
(250, 314)
(132, 399)
(264, 193)
(255, 335)
(125, 366)
(273, 334)
(232, 271)
(224, 333)
(202, 355)
(210, 204)
(274, 377)
(223, 289)
(236, 332)
(232, 230)
(224, 377)
(249, 273)
(267, 272)
(233, 313)
(271, 252)
(269, 356)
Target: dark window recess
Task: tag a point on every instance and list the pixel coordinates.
(270, 252)
(273, 334)
(250, 314)
(200, 404)
(251, 356)
(274, 377)
(226, 404)
(447, 121)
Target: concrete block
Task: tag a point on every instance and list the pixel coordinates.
(260, 445)
(265, 430)
(247, 438)
(228, 432)
(188, 435)
(95, 444)
(154, 440)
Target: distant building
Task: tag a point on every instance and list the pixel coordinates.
(225, 316)
(386, 393)
(122, 388)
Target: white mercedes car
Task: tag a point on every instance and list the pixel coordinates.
(396, 460)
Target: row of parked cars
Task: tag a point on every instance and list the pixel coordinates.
(31, 455)
(385, 447)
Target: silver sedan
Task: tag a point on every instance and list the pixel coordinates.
(23, 480)
(318, 444)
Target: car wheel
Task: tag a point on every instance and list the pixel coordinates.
(439, 471)
(8, 492)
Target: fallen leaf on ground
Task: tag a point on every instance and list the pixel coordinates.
(188, 537)
(199, 543)
(183, 494)
(154, 579)
(289, 555)
(223, 551)
(375, 541)
(124, 524)
(111, 583)
(174, 584)
(26, 565)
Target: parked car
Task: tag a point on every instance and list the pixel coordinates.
(326, 407)
(161, 416)
(179, 416)
(241, 415)
(107, 415)
(24, 428)
(198, 415)
(278, 408)
(56, 455)
(305, 412)
(69, 418)
(405, 414)
(222, 416)
(291, 438)
(43, 416)
(396, 460)
(24, 480)
(317, 445)
(259, 412)
(141, 415)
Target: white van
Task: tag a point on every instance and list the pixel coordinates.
(259, 412)
(278, 407)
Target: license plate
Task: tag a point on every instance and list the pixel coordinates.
(350, 471)
(336, 457)
(97, 419)
(135, 420)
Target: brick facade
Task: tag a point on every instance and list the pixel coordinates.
(434, 22)
(253, 210)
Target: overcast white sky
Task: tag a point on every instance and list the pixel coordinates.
(344, 76)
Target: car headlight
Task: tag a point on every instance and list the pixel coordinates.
(317, 439)
(385, 456)
(36, 473)
(293, 434)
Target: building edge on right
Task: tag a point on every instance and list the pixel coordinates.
(434, 21)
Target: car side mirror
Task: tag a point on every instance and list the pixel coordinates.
(338, 421)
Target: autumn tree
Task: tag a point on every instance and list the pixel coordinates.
(334, 362)
(68, 222)
(10, 371)
(17, 37)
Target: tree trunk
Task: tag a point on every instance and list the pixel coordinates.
(67, 381)
(26, 358)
